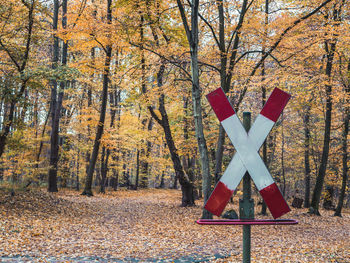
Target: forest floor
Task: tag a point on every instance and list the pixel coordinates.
(149, 226)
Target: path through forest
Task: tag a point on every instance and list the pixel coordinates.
(149, 226)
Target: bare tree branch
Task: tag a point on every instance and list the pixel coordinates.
(211, 29)
(163, 57)
(274, 46)
(184, 20)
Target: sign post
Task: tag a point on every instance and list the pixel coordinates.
(246, 205)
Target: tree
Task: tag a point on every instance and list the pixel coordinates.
(185, 182)
(192, 38)
(330, 49)
(306, 121)
(346, 116)
(17, 52)
(56, 100)
(99, 130)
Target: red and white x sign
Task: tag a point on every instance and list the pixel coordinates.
(247, 158)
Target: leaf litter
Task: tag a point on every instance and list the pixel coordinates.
(149, 226)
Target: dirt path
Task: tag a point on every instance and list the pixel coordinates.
(130, 226)
(148, 226)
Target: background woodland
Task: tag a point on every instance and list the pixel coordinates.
(98, 94)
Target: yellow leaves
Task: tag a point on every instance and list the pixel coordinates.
(36, 234)
(149, 224)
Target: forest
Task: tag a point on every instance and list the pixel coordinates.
(98, 94)
(107, 99)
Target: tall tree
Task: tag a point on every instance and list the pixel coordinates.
(192, 38)
(99, 130)
(307, 138)
(185, 182)
(159, 35)
(144, 153)
(56, 100)
(330, 43)
(114, 103)
(18, 54)
(346, 116)
(263, 89)
(228, 56)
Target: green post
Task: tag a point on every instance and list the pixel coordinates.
(246, 205)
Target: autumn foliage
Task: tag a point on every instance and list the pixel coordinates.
(109, 95)
(122, 226)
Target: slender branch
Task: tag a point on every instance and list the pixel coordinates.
(26, 4)
(211, 29)
(80, 12)
(246, 53)
(295, 23)
(163, 57)
(208, 65)
(240, 22)
(10, 55)
(155, 116)
(184, 20)
(274, 46)
(277, 61)
(102, 46)
(29, 35)
(299, 51)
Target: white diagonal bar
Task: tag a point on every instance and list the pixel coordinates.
(235, 170)
(247, 153)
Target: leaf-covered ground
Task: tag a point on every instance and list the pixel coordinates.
(149, 226)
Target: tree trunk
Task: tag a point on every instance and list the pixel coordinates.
(282, 158)
(306, 119)
(77, 185)
(175, 182)
(192, 37)
(125, 173)
(89, 104)
(263, 92)
(137, 169)
(328, 198)
(264, 149)
(314, 208)
(226, 73)
(186, 184)
(42, 139)
(144, 157)
(115, 180)
(89, 177)
(161, 184)
(144, 154)
(103, 171)
(115, 112)
(224, 86)
(114, 101)
(344, 147)
(55, 109)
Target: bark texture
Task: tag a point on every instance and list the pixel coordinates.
(99, 131)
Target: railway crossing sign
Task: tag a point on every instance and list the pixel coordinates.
(247, 157)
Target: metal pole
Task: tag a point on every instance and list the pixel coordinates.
(246, 205)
